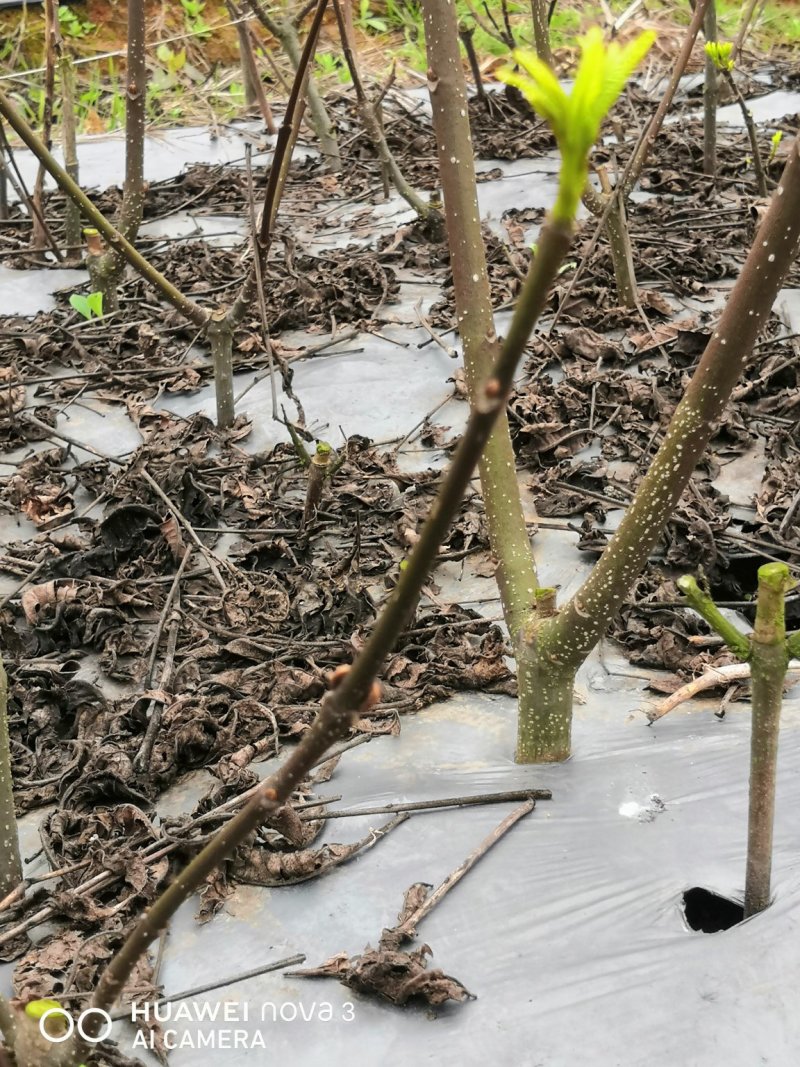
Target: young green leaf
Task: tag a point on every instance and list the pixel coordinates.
(575, 119)
(81, 305)
(719, 52)
(89, 307)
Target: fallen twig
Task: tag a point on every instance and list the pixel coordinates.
(433, 805)
(710, 679)
(408, 927)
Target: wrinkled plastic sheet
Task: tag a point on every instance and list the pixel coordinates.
(570, 932)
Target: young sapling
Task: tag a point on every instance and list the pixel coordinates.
(721, 55)
(767, 650)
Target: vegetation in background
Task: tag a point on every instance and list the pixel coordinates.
(196, 78)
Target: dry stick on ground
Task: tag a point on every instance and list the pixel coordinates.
(408, 928)
(435, 805)
(711, 678)
(218, 326)
(10, 862)
(154, 710)
(374, 129)
(284, 30)
(191, 994)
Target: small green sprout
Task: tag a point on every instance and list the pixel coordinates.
(575, 119)
(39, 1008)
(173, 61)
(774, 143)
(50, 1016)
(719, 52)
(90, 307)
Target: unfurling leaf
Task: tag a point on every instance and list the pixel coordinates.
(575, 119)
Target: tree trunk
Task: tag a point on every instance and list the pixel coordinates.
(220, 335)
(72, 214)
(39, 235)
(710, 95)
(769, 659)
(106, 273)
(10, 862)
(516, 575)
(286, 33)
(253, 86)
(374, 129)
(544, 725)
(568, 638)
(541, 31)
(619, 244)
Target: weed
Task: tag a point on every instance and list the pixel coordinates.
(367, 21)
(330, 65)
(406, 15)
(193, 16)
(90, 307)
(73, 25)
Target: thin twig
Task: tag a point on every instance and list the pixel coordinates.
(154, 711)
(259, 269)
(190, 994)
(181, 518)
(409, 926)
(433, 805)
(710, 679)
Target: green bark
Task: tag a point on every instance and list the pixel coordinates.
(769, 658)
(508, 535)
(546, 687)
(220, 336)
(702, 603)
(567, 639)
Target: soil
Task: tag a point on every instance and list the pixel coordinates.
(212, 613)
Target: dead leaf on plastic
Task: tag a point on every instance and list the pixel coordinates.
(36, 598)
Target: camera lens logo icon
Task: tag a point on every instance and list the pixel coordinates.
(64, 1026)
